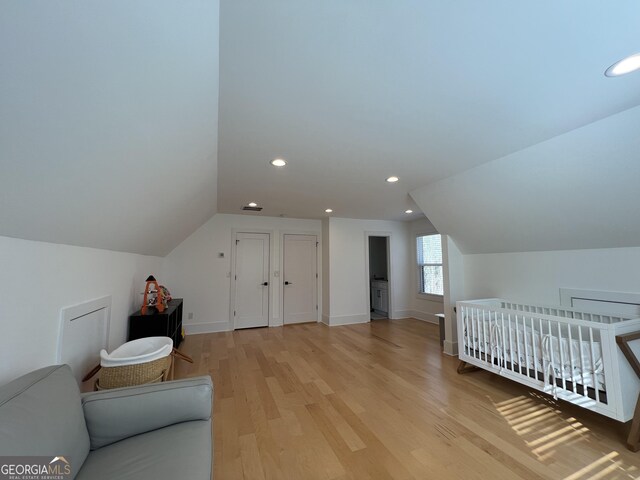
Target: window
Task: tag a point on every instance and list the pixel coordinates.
(429, 256)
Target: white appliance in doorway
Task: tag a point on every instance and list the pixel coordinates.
(251, 280)
(300, 278)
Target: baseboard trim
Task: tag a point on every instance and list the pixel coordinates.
(348, 320)
(211, 327)
(424, 316)
(325, 319)
(400, 314)
(451, 348)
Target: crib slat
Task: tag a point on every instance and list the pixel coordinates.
(544, 371)
(513, 364)
(571, 363)
(474, 352)
(468, 330)
(481, 339)
(478, 353)
(484, 335)
(493, 324)
(594, 378)
(551, 356)
(502, 346)
(518, 347)
(584, 392)
(533, 347)
(525, 346)
(465, 319)
(564, 383)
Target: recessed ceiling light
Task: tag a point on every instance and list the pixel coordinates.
(328, 210)
(278, 162)
(624, 66)
(253, 204)
(392, 179)
(408, 211)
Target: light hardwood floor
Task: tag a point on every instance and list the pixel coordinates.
(379, 401)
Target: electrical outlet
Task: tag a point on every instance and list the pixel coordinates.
(190, 315)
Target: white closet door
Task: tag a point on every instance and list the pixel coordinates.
(251, 280)
(300, 282)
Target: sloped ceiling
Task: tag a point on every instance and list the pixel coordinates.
(578, 190)
(350, 92)
(109, 111)
(108, 121)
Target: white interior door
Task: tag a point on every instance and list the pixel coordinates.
(252, 280)
(300, 280)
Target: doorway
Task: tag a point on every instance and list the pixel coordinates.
(299, 279)
(251, 280)
(379, 276)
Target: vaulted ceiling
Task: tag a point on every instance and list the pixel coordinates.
(112, 134)
(108, 121)
(577, 190)
(350, 92)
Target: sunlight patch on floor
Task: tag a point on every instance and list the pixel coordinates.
(609, 466)
(538, 421)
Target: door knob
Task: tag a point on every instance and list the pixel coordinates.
(265, 284)
(288, 283)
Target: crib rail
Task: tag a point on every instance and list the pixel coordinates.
(560, 351)
(564, 312)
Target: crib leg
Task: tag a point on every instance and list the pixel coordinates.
(633, 441)
(464, 367)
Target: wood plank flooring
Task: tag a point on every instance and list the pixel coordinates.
(379, 400)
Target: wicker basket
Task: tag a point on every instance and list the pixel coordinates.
(130, 375)
(141, 361)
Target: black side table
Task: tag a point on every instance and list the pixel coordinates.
(156, 324)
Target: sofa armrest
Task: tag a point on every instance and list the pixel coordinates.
(113, 415)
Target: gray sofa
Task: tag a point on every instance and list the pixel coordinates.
(159, 431)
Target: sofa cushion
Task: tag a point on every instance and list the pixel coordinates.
(41, 414)
(112, 415)
(168, 453)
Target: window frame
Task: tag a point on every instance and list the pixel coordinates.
(426, 296)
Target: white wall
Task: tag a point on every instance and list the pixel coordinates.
(38, 279)
(454, 282)
(194, 271)
(421, 307)
(537, 276)
(349, 284)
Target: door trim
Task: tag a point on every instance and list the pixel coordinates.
(232, 276)
(318, 270)
(390, 283)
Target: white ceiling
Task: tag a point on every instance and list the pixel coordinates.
(577, 190)
(350, 92)
(108, 121)
(109, 110)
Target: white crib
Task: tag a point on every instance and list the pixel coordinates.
(565, 352)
